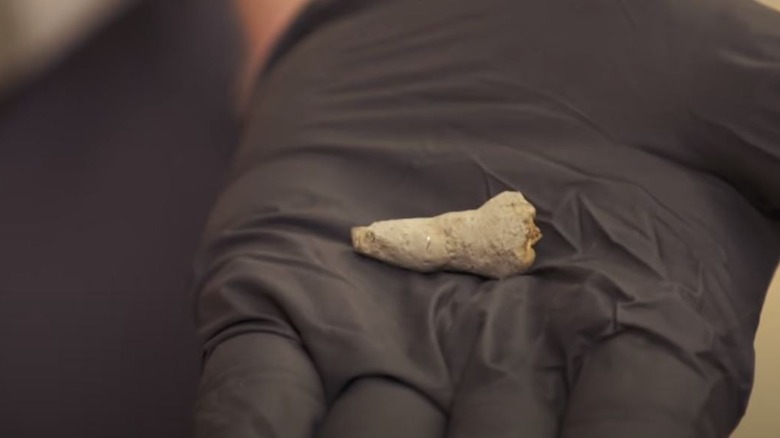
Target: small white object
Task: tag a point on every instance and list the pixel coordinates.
(495, 240)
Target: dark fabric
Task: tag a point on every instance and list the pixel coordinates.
(647, 135)
(108, 166)
(275, 394)
(395, 410)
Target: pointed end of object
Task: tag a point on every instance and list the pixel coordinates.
(359, 235)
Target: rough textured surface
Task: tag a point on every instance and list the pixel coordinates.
(495, 240)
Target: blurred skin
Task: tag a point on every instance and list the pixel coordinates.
(262, 23)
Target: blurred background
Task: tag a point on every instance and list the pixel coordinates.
(116, 127)
(763, 416)
(35, 33)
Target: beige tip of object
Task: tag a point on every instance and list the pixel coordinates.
(494, 241)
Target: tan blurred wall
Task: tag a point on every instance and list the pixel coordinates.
(763, 416)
